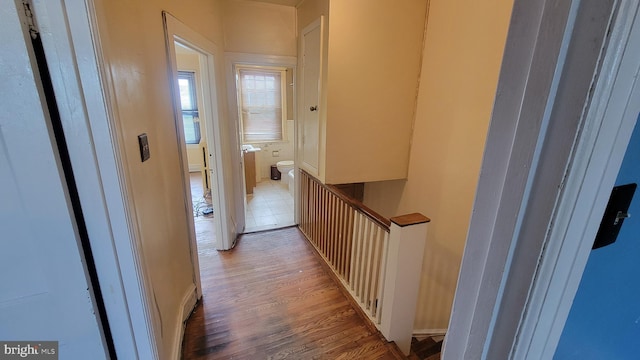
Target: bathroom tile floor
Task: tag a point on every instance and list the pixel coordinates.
(269, 207)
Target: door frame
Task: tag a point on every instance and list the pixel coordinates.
(80, 72)
(543, 169)
(231, 60)
(609, 124)
(80, 76)
(318, 171)
(50, 290)
(176, 31)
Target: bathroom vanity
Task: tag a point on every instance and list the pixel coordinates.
(249, 167)
(250, 171)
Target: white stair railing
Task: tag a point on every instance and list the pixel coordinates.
(377, 260)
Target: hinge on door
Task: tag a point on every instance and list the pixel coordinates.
(31, 22)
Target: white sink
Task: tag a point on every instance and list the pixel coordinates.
(250, 148)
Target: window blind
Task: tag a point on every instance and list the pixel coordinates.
(261, 104)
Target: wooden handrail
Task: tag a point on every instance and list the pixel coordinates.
(410, 219)
(357, 205)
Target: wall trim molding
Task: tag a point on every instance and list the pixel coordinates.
(260, 59)
(187, 305)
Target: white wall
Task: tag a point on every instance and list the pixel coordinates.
(284, 150)
(462, 56)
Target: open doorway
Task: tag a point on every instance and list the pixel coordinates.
(262, 92)
(197, 115)
(266, 129)
(191, 64)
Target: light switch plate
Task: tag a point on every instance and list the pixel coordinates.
(144, 147)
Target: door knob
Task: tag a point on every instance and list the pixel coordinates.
(313, 108)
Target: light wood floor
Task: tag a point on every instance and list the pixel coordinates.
(270, 298)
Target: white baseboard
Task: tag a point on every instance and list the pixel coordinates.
(428, 332)
(186, 306)
(195, 168)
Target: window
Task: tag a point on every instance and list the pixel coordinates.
(189, 105)
(261, 103)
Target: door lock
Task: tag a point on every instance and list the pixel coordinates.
(313, 108)
(620, 216)
(616, 212)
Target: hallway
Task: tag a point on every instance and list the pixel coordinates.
(271, 298)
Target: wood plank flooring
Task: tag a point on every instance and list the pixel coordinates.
(271, 298)
(429, 348)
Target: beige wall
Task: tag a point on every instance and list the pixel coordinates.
(309, 10)
(462, 57)
(369, 86)
(194, 156)
(373, 68)
(264, 29)
(133, 40)
(258, 28)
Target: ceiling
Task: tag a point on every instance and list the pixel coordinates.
(281, 2)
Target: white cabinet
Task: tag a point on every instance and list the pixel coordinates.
(309, 113)
(359, 67)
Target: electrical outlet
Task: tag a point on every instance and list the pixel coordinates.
(275, 153)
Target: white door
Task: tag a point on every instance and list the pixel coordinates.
(45, 293)
(309, 114)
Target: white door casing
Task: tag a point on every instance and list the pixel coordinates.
(498, 289)
(74, 66)
(609, 124)
(231, 60)
(46, 292)
(176, 31)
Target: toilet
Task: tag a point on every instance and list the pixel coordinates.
(286, 169)
(292, 183)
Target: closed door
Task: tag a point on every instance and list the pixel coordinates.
(310, 112)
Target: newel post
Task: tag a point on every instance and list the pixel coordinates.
(407, 239)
